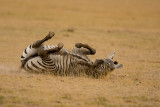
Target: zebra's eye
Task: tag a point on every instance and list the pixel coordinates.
(108, 64)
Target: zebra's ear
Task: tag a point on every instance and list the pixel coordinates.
(111, 55)
(119, 66)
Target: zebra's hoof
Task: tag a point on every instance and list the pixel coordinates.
(78, 45)
(51, 34)
(60, 45)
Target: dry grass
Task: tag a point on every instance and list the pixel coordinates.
(128, 27)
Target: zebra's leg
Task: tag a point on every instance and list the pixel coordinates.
(89, 51)
(39, 42)
(43, 53)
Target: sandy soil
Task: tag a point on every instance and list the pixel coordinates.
(131, 28)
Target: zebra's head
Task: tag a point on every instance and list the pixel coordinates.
(112, 64)
(102, 66)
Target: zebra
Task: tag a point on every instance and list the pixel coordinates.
(56, 59)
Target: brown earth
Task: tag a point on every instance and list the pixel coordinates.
(131, 28)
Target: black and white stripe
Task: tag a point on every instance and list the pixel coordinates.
(29, 52)
(56, 63)
(64, 62)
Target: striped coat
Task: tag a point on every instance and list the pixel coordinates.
(65, 62)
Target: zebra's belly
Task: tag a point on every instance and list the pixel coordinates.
(35, 65)
(57, 64)
(38, 65)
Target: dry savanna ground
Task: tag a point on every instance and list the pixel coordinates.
(131, 28)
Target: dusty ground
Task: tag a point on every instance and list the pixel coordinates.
(131, 28)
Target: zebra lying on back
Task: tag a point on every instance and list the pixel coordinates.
(58, 60)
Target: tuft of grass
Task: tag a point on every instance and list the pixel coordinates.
(60, 105)
(100, 101)
(134, 99)
(31, 103)
(14, 99)
(67, 97)
(1, 99)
